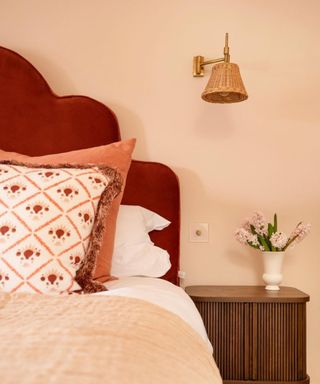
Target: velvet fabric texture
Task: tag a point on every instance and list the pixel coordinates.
(115, 155)
(38, 122)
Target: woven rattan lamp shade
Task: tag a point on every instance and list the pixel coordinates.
(225, 85)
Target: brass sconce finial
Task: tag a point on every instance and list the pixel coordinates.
(225, 84)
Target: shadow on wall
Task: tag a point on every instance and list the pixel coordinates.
(54, 75)
(131, 126)
(214, 121)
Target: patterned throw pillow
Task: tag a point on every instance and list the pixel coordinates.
(115, 155)
(51, 225)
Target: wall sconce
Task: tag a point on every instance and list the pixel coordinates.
(225, 84)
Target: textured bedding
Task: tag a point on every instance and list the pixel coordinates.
(98, 339)
(160, 292)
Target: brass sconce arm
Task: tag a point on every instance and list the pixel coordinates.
(199, 62)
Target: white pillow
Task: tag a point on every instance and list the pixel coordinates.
(134, 253)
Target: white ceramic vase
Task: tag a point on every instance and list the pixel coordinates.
(272, 263)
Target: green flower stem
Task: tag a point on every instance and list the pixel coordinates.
(275, 223)
(290, 242)
(263, 243)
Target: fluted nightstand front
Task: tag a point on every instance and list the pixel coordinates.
(258, 336)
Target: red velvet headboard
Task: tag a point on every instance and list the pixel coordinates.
(30, 113)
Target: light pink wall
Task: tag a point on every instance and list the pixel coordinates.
(135, 56)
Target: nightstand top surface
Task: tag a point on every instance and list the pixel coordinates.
(242, 293)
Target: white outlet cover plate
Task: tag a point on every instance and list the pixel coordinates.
(203, 228)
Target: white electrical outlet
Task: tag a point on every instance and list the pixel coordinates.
(199, 232)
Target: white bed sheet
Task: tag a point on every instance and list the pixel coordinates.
(162, 293)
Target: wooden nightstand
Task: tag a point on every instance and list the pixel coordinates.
(258, 336)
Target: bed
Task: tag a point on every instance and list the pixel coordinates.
(140, 330)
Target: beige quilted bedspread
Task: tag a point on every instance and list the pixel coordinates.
(98, 339)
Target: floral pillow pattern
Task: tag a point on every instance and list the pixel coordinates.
(51, 225)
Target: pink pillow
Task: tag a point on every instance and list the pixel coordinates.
(116, 155)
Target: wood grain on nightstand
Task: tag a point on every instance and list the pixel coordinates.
(257, 336)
